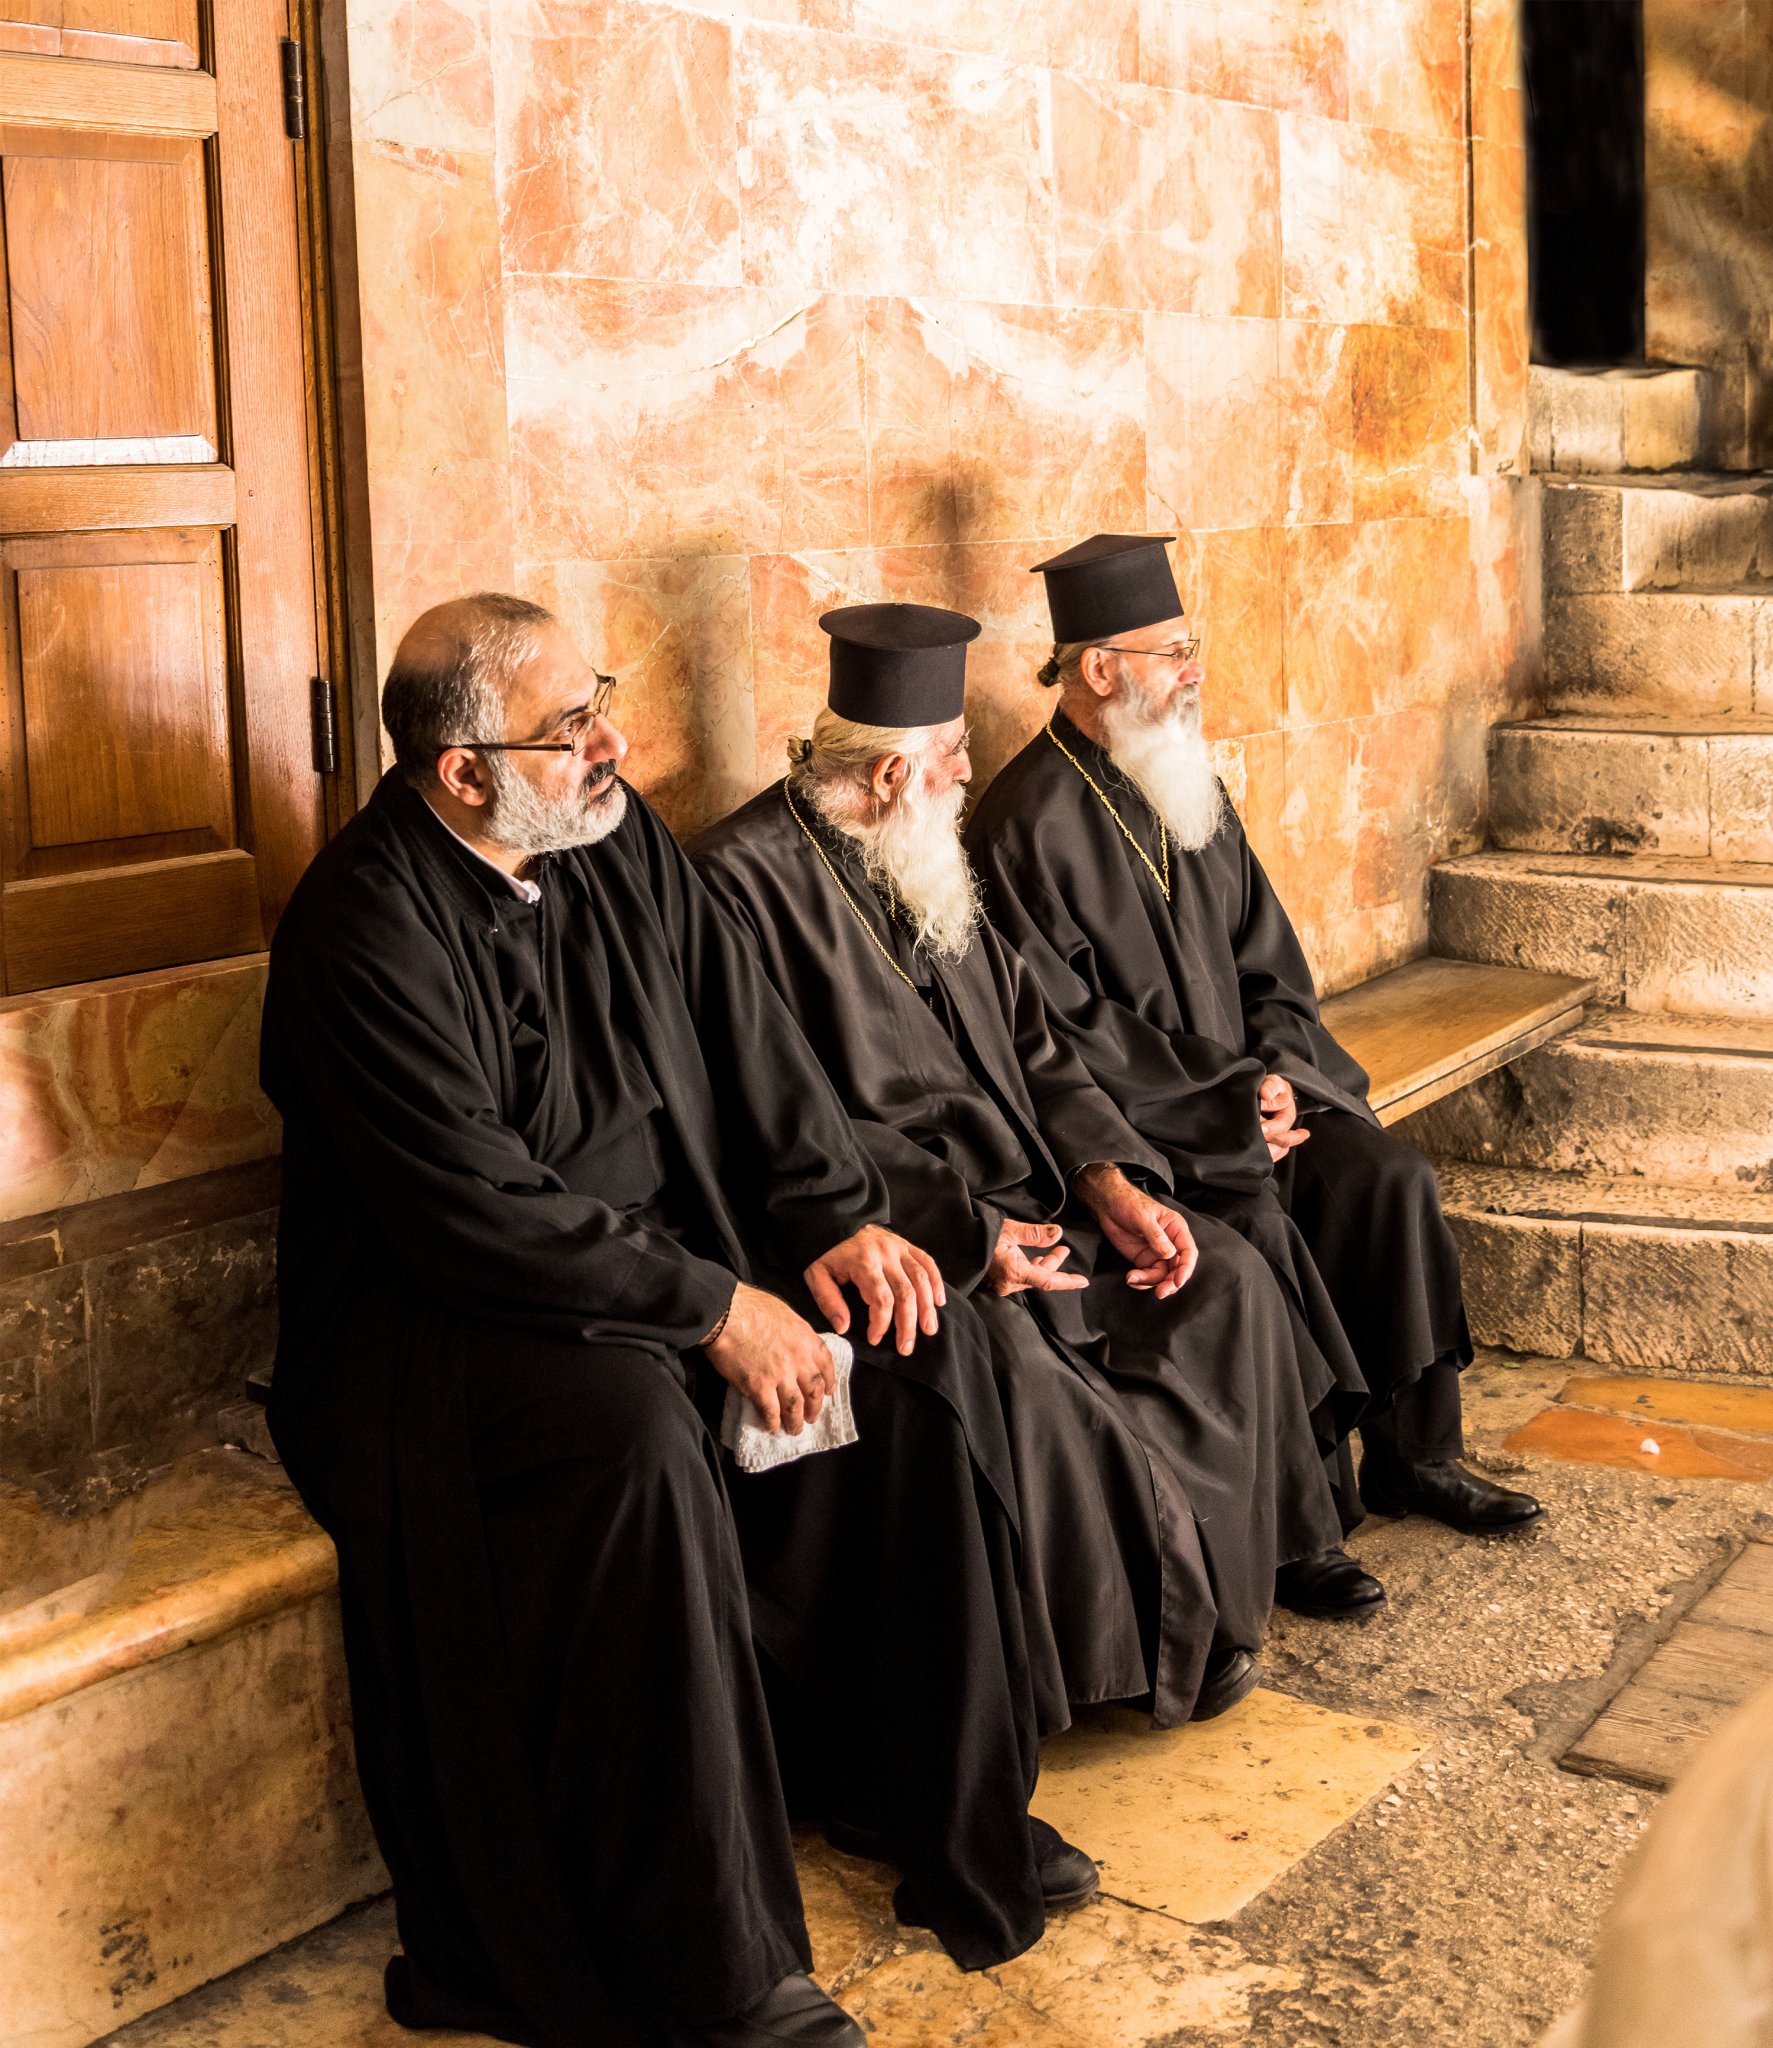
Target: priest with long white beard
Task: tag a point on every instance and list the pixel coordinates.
(1116, 867)
(1167, 1434)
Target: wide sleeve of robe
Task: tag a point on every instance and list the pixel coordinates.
(931, 1203)
(1184, 1093)
(1282, 1027)
(367, 1032)
(791, 1166)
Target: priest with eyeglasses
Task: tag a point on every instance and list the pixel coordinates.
(1116, 867)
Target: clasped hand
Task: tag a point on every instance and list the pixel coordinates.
(1278, 1107)
(1155, 1241)
(775, 1357)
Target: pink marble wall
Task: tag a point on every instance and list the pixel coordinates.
(692, 319)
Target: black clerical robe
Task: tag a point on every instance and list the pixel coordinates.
(528, 1152)
(1179, 1007)
(975, 1112)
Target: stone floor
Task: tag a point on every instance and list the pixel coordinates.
(1377, 1850)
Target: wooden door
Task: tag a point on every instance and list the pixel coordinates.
(158, 790)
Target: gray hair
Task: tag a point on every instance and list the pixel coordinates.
(453, 691)
(1065, 665)
(841, 754)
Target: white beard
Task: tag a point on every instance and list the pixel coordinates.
(1164, 755)
(914, 854)
(521, 819)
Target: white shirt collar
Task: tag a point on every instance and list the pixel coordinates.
(525, 892)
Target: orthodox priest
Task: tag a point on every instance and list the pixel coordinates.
(1158, 1344)
(558, 1169)
(1115, 865)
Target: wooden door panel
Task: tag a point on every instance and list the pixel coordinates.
(108, 294)
(118, 920)
(123, 689)
(124, 31)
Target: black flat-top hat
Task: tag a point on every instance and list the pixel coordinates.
(1111, 583)
(898, 664)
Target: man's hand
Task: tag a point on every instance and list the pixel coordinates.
(1156, 1243)
(1012, 1269)
(774, 1357)
(900, 1286)
(1278, 1107)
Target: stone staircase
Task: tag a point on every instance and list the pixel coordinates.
(1613, 1189)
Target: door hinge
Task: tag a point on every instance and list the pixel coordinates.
(324, 700)
(295, 92)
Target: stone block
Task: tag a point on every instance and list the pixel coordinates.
(1741, 795)
(1600, 422)
(45, 1375)
(1508, 909)
(1557, 788)
(1523, 1288)
(1703, 947)
(1664, 652)
(1663, 533)
(1671, 1300)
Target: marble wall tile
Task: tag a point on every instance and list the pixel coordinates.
(991, 422)
(1094, 38)
(1165, 200)
(872, 167)
(1233, 587)
(675, 632)
(1372, 224)
(1498, 84)
(589, 184)
(1400, 798)
(1215, 455)
(433, 380)
(1406, 66)
(1317, 421)
(1500, 335)
(130, 1084)
(1411, 451)
(1286, 54)
(1359, 637)
(656, 419)
(422, 74)
(1320, 824)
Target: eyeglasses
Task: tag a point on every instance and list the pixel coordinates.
(1180, 655)
(574, 729)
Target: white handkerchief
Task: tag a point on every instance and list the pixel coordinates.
(754, 1449)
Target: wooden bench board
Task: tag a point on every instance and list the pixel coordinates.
(1423, 1030)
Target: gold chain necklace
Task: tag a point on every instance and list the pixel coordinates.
(1163, 880)
(861, 915)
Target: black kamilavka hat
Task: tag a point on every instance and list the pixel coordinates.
(898, 664)
(1111, 583)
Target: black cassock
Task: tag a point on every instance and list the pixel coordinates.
(526, 1152)
(1151, 1438)
(1179, 1009)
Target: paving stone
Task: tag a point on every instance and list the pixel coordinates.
(1743, 1411)
(1682, 1101)
(1670, 1449)
(1669, 532)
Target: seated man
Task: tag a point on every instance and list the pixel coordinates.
(851, 880)
(544, 1119)
(1115, 865)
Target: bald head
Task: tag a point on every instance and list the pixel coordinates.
(452, 673)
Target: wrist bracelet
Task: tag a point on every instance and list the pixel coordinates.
(725, 1318)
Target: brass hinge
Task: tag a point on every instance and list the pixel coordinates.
(295, 92)
(324, 700)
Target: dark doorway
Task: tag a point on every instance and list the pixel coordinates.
(1585, 168)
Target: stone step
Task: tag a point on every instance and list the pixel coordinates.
(1632, 1274)
(1604, 421)
(1691, 787)
(1679, 530)
(1653, 933)
(1692, 653)
(1680, 1101)
(176, 1784)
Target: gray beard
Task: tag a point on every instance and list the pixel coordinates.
(1165, 758)
(522, 820)
(914, 856)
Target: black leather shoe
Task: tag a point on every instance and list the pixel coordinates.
(1328, 1587)
(1231, 1675)
(1067, 1876)
(1447, 1491)
(796, 2012)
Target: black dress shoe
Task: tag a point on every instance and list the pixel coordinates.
(1449, 1493)
(1067, 1876)
(1231, 1675)
(796, 2012)
(1328, 1587)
